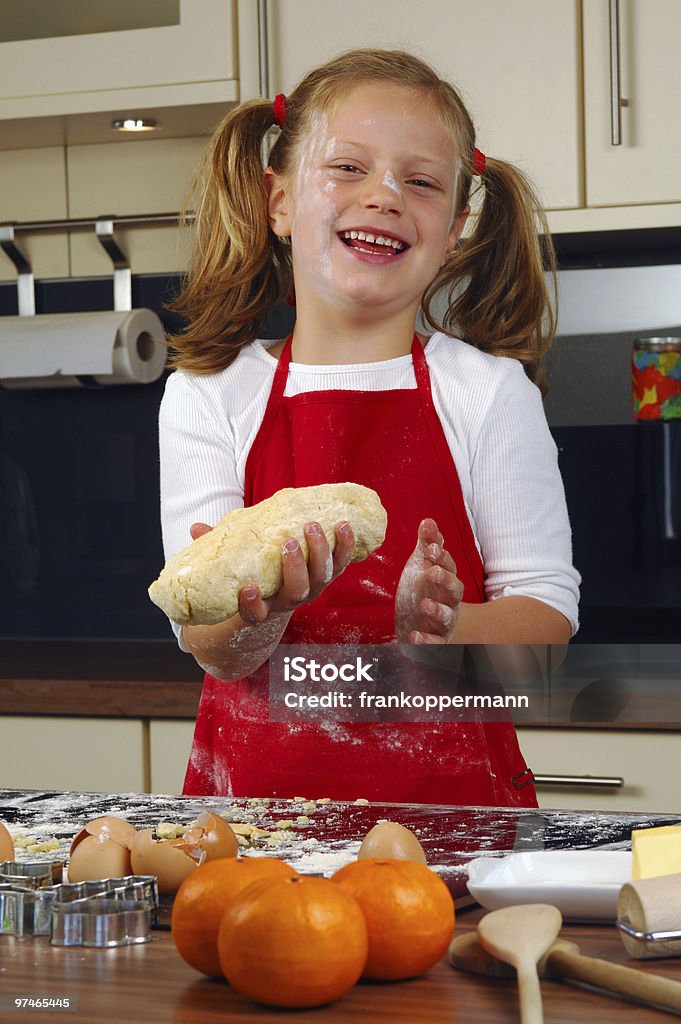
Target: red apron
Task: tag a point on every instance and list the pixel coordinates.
(392, 441)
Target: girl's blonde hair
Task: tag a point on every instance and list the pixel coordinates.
(498, 298)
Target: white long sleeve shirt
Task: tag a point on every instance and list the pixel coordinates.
(493, 421)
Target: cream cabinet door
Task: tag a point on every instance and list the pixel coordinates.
(645, 761)
(170, 743)
(85, 755)
(644, 168)
(71, 58)
(516, 65)
(33, 188)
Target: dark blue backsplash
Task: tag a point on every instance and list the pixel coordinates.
(79, 504)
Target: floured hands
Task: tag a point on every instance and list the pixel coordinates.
(303, 581)
(429, 593)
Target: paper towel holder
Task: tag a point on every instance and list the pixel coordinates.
(25, 279)
(104, 230)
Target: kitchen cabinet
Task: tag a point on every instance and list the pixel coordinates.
(170, 741)
(642, 758)
(104, 755)
(33, 187)
(94, 754)
(87, 57)
(137, 177)
(643, 169)
(516, 66)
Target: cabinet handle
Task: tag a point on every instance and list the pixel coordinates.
(607, 781)
(615, 98)
(263, 50)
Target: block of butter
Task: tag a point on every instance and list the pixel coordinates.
(656, 851)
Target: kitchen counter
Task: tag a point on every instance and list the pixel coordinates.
(150, 982)
(450, 836)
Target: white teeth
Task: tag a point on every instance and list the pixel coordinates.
(363, 236)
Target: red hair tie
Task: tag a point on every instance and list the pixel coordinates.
(479, 161)
(280, 109)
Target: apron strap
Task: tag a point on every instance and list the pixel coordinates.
(468, 544)
(271, 412)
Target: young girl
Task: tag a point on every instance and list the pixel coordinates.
(356, 214)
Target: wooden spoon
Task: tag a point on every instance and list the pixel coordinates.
(564, 962)
(521, 936)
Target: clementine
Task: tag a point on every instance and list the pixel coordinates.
(201, 901)
(409, 914)
(293, 942)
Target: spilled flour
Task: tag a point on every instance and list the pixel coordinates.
(319, 836)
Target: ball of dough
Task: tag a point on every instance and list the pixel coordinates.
(201, 584)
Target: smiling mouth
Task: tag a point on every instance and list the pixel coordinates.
(365, 241)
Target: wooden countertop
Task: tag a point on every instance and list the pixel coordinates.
(152, 983)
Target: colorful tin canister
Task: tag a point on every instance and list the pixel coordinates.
(656, 378)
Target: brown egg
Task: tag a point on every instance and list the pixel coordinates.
(171, 860)
(101, 850)
(390, 839)
(6, 844)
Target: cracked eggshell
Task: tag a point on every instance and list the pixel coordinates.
(107, 827)
(98, 857)
(101, 850)
(390, 839)
(171, 860)
(213, 835)
(6, 844)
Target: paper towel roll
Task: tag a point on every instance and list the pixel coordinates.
(81, 349)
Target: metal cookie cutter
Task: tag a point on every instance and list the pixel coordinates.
(100, 921)
(25, 911)
(32, 875)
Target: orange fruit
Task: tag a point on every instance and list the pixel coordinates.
(293, 942)
(202, 898)
(409, 913)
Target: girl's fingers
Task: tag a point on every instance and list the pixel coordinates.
(252, 608)
(443, 586)
(320, 565)
(445, 561)
(420, 637)
(429, 533)
(197, 530)
(296, 586)
(436, 618)
(345, 545)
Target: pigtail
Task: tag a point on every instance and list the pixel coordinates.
(498, 296)
(239, 270)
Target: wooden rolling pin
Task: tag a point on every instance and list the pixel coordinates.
(650, 906)
(564, 962)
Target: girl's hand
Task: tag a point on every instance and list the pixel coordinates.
(429, 593)
(303, 581)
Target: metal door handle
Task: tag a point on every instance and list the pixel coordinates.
(263, 50)
(615, 98)
(607, 781)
